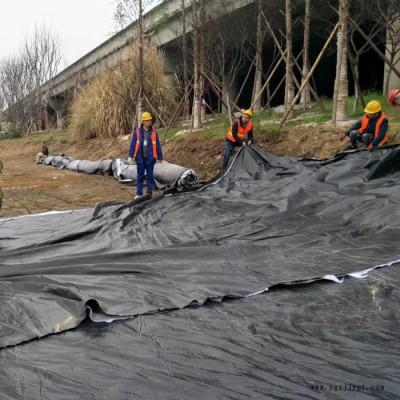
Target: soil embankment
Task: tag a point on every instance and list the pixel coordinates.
(29, 188)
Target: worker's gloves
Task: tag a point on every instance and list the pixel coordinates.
(244, 143)
(342, 136)
(130, 160)
(370, 147)
(355, 132)
(249, 142)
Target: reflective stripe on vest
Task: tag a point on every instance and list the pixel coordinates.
(153, 141)
(364, 123)
(242, 132)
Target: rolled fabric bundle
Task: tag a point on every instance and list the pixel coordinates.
(105, 166)
(124, 172)
(169, 175)
(48, 160)
(87, 167)
(61, 161)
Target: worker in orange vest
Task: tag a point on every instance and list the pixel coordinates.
(146, 149)
(394, 97)
(371, 129)
(240, 134)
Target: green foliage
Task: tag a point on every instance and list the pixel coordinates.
(267, 122)
(11, 134)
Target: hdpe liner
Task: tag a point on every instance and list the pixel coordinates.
(178, 276)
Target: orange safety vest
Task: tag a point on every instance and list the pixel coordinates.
(153, 141)
(364, 123)
(242, 132)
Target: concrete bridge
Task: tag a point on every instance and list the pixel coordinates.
(162, 24)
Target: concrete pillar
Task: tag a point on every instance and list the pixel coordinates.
(58, 105)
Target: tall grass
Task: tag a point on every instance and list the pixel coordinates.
(106, 107)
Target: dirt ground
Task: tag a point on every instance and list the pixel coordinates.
(29, 188)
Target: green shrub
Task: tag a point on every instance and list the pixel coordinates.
(11, 134)
(106, 107)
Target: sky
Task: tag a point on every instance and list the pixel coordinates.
(80, 25)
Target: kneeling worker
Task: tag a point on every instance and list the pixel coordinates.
(371, 129)
(240, 134)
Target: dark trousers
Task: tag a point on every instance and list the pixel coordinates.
(145, 167)
(365, 138)
(229, 146)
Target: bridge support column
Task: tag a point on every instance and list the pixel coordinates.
(57, 104)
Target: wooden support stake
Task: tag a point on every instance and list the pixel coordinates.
(307, 78)
(269, 79)
(372, 44)
(277, 44)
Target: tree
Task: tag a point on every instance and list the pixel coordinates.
(227, 51)
(390, 15)
(289, 87)
(341, 92)
(22, 78)
(196, 111)
(185, 55)
(361, 12)
(13, 88)
(128, 11)
(258, 59)
(41, 57)
(305, 95)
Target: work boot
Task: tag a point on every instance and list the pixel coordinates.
(138, 196)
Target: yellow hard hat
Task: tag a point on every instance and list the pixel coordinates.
(248, 112)
(373, 107)
(146, 116)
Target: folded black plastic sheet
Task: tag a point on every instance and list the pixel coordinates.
(317, 341)
(269, 221)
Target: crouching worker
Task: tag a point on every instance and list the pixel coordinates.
(146, 149)
(42, 154)
(240, 134)
(371, 129)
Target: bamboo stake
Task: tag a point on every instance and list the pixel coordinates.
(307, 78)
(356, 77)
(312, 90)
(245, 80)
(371, 43)
(277, 88)
(173, 119)
(218, 91)
(154, 110)
(268, 80)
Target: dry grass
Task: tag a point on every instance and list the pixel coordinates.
(106, 107)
